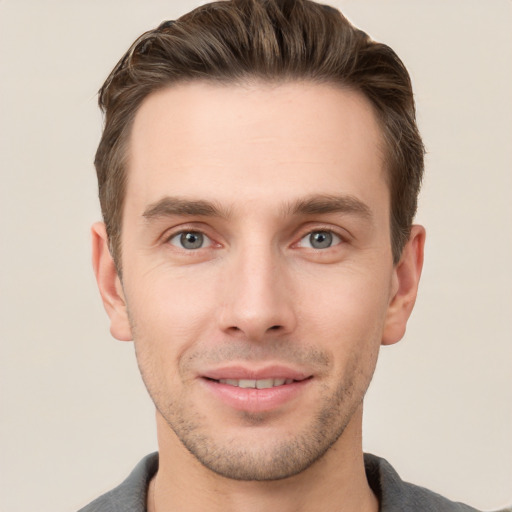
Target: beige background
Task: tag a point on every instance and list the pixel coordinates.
(74, 415)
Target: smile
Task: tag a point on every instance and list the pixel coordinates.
(256, 383)
(244, 390)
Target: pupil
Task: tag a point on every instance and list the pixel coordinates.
(321, 239)
(192, 240)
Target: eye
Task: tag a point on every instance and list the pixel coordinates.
(320, 240)
(190, 240)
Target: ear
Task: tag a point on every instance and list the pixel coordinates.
(109, 284)
(406, 278)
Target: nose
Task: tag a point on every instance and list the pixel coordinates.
(258, 298)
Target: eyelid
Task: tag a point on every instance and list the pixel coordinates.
(310, 228)
(171, 233)
(208, 242)
(337, 239)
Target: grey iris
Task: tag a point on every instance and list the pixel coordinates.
(320, 239)
(191, 240)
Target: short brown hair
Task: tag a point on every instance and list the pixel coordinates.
(274, 40)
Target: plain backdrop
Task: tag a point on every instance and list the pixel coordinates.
(75, 417)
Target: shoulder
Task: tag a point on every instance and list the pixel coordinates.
(130, 495)
(396, 495)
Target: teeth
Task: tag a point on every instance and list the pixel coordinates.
(246, 383)
(265, 383)
(256, 384)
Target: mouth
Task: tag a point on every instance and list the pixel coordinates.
(268, 376)
(256, 391)
(256, 383)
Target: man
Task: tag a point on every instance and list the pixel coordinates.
(258, 177)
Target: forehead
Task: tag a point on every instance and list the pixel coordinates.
(253, 141)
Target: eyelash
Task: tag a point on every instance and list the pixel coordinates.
(190, 232)
(336, 239)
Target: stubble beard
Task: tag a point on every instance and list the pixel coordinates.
(266, 461)
(273, 459)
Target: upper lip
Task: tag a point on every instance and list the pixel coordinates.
(244, 372)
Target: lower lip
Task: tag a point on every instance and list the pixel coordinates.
(256, 400)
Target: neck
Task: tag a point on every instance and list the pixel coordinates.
(334, 482)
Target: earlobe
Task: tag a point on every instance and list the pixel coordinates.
(109, 284)
(406, 279)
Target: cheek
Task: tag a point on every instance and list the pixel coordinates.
(352, 299)
(168, 292)
(170, 311)
(348, 319)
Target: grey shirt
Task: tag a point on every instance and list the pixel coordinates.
(394, 494)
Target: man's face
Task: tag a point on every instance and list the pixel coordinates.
(258, 280)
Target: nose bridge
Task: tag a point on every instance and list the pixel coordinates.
(257, 294)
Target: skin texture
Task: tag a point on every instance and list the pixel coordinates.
(255, 170)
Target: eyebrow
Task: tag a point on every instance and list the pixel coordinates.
(324, 204)
(313, 205)
(168, 206)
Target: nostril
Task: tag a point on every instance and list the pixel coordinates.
(274, 328)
